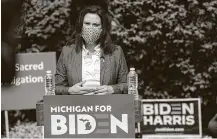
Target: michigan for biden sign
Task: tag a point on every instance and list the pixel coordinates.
(80, 116)
(171, 118)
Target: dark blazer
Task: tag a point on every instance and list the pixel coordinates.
(113, 70)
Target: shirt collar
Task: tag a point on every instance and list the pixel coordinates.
(97, 48)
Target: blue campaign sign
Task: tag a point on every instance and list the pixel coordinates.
(28, 85)
(80, 116)
(171, 118)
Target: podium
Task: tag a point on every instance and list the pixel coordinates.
(82, 116)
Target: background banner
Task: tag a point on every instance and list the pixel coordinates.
(171, 118)
(80, 116)
(28, 85)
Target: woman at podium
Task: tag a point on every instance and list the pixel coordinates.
(93, 65)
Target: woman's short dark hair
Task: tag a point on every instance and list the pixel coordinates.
(105, 39)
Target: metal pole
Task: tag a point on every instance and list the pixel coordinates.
(42, 132)
(7, 124)
(138, 127)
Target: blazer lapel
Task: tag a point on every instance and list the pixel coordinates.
(104, 64)
(78, 66)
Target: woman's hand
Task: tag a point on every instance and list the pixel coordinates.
(77, 89)
(104, 90)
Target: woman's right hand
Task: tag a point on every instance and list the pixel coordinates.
(77, 89)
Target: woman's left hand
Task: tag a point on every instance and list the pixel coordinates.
(104, 90)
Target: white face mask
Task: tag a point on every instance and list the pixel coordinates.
(91, 34)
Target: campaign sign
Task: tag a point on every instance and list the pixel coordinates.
(28, 85)
(95, 116)
(171, 118)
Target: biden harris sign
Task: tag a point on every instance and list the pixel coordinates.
(76, 116)
(171, 118)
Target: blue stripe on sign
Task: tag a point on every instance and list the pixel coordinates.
(176, 108)
(175, 112)
(102, 131)
(103, 123)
